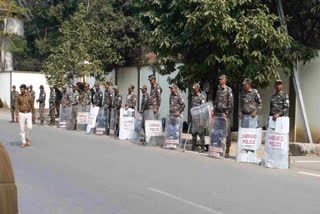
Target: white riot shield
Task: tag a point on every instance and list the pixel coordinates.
(69, 118)
(92, 119)
(101, 123)
(126, 124)
(249, 139)
(82, 117)
(136, 137)
(153, 128)
(201, 116)
(218, 134)
(62, 119)
(276, 153)
(173, 132)
(112, 127)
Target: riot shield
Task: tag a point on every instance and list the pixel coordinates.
(92, 119)
(153, 128)
(218, 134)
(201, 116)
(126, 124)
(173, 132)
(112, 127)
(249, 139)
(62, 118)
(82, 117)
(276, 153)
(101, 123)
(136, 137)
(69, 118)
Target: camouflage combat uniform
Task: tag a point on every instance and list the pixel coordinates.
(117, 102)
(176, 103)
(13, 103)
(87, 96)
(131, 100)
(223, 104)
(155, 99)
(107, 105)
(97, 98)
(65, 100)
(197, 100)
(145, 101)
(42, 102)
(52, 106)
(33, 96)
(250, 102)
(75, 102)
(279, 104)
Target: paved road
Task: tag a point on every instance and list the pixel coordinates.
(70, 173)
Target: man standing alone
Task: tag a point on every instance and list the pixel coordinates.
(24, 111)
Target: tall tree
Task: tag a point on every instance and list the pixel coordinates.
(238, 38)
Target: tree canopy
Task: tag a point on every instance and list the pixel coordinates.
(238, 38)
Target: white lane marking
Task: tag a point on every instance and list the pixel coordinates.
(185, 201)
(306, 161)
(310, 174)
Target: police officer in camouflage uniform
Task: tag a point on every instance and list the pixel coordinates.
(155, 96)
(223, 105)
(97, 97)
(175, 101)
(279, 103)
(250, 102)
(52, 105)
(75, 102)
(65, 100)
(87, 96)
(145, 99)
(42, 101)
(33, 96)
(197, 99)
(107, 105)
(13, 96)
(117, 103)
(131, 98)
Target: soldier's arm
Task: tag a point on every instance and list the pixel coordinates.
(259, 101)
(134, 102)
(111, 100)
(182, 105)
(241, 104)
(286, 105)
(158, 97)
(270, 112)
(229, 102)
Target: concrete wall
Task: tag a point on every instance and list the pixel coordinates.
(20, 77)
(309, 75)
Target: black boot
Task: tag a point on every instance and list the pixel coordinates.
(226, 155)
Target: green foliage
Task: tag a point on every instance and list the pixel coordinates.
(238, 38)
(93, 42)
(303, 22)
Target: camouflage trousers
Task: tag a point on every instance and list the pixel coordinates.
(13, 108)
(41, 112)
(194, 137)
(58, 108)
(107, 113)
(52, 111)
(75, 115)
(34, 117)
(117, 117)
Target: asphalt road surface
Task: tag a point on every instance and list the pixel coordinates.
(69, 172)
